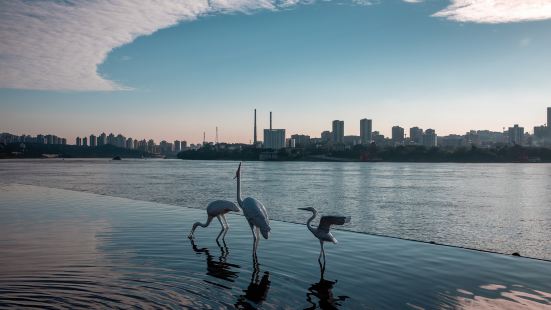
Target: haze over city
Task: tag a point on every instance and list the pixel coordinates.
(175, 70)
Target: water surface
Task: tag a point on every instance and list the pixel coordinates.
(65, 249)
(497, 207)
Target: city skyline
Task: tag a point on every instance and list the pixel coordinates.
(277, 138)
(451, 66)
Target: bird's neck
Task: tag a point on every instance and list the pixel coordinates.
(314, 214)
(239, 200)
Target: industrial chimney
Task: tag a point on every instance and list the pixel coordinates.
(270, 120)
(255, 127)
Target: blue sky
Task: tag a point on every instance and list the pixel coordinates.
(392, 61)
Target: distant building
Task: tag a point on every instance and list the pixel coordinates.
(177, 146)
(451, 141)
(397, 135)
(352, 140)
(378, 138)
(63, 141)
(366, 129)
(291, 143)
(301, 140)
(166, 147)
(274, 139)
(549, 117)
(516, 135)
(120, 141)
(102, 139)
(40, 139)
(430, 138)
(416, 135)
(129, 143)
(84, 141)
(338, 132)
(93, 141)
(78, 141)
(326, 136)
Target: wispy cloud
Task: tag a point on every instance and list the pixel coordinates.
(57, 45)
(497, 11)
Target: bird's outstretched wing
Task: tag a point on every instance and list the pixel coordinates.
(328, 220)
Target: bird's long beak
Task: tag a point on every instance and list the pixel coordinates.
(303, 209)
(237, 172)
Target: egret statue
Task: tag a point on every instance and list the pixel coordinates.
(322, 231)
(217, 209)
(254, 212)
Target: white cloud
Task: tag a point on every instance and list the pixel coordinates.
(57, 45)
(497, 11)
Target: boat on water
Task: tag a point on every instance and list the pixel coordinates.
(50, 155)
(117, 158)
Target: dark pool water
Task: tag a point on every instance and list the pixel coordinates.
(65, 249)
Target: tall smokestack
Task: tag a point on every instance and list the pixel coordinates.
(270, 120)
(255, 126)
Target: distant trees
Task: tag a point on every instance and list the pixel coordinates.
(372, 152)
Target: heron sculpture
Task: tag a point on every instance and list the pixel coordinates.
(254, 212)
(217, 209)
(322, 232)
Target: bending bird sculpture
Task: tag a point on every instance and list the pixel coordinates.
(322, 232)
(254, 212)
(217, 209)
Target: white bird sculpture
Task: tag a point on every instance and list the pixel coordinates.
(217, 209)
(322, 231)
(254, 212)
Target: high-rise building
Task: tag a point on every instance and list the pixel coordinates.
(129, 143)
(416, 135)
(516, 134)
(93, 141)
(397, 135)
(84, 141)
(366, 130)
(102, 139)
(40, 139)
(78, 141)
(177, 146)
(338, 132)
(274, 139)
(430, 139)
(549, 117)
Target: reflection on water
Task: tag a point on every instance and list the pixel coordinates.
(322, 291)
(63, 249)
(256, 292)
(218, 268)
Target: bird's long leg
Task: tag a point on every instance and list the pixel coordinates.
(257, 233)
(223, 228)
(322, 254)
(226, 225)
(254, 239)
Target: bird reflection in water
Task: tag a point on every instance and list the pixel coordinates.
(257, 291)
(218, 268)
(323, 292)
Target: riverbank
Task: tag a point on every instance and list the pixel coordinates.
(98, 251)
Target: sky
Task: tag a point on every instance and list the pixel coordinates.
(174, 69)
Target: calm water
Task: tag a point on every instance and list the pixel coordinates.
(498, 207)
(65, 249)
